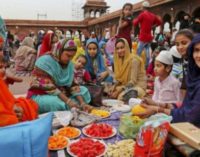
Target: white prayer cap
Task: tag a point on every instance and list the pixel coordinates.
(165, 57)
(174, 52)
(146, 4)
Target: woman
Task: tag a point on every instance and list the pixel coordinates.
(25, 56)
(52, 87)
(95, 63)
(14, 110)
(190, 109)
(128, 70)
(47, 44)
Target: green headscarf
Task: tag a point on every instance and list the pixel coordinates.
(63, 76)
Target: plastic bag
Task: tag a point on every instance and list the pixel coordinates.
(152, 136)
(129, 125)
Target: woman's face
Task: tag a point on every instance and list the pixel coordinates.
(120, 49)
(92, 50)
(196, 54)
(66, 56)
(182, 42)
(127, 11)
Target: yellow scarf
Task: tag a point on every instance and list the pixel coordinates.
(122, 66)
(80, 50)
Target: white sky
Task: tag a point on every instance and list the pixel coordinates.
(55, 9)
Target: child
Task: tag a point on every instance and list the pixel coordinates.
(95, 63)
(166, 86)
(125, 23)
(81, 76)
(150, 71)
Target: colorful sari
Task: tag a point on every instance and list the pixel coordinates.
(7, 102)
(50, 79)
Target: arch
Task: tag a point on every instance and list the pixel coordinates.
(92, 13)
(68, 34)
(97, 13)
(196, 13)
(77, 34)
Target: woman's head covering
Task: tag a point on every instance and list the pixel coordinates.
(80, 50)
(193, 77)
(46, 44)
(101, 44)
(122, 65)
(99, 59)
(28, 41)
(63, 76)
(62, 46)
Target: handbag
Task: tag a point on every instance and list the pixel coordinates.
(96, 93)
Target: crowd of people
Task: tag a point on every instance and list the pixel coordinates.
(164, 74)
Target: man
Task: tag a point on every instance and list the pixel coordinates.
(147, 21)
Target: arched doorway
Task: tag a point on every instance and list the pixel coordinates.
(68, 34)
(92, 13)
(97, 14)
(167, 23)
(196, 13)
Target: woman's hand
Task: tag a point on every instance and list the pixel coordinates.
(114, 94)
(75, 89)
(87, 108)
(19, 112)
(149, 101)
(72, 104)
(150, 110)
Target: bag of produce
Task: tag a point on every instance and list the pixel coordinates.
(129, 125)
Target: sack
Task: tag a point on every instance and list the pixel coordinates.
(129, 93)
(96, 93)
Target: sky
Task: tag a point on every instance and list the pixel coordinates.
(54, 9)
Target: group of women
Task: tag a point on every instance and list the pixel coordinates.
(53, 78)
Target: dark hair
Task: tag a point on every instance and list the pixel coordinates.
(119, 40)
(127, 4)
(186, 32)
(82, 56)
